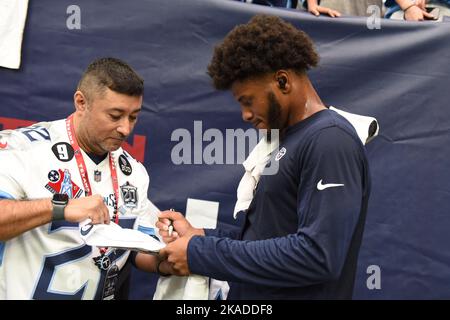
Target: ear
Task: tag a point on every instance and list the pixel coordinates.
(79, 101)
(283, 81)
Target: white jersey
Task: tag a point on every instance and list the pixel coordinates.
(52, 261)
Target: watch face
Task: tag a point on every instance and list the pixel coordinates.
(61, 197)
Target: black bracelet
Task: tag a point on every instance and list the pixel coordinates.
(162, 274)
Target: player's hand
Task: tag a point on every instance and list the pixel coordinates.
(166, 267)
(176, 255)
(181, 226)
(91, 207)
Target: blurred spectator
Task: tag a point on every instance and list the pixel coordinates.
(332, 8)
(348, 7)
(417, 10)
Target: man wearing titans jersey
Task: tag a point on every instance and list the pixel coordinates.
(56, 174)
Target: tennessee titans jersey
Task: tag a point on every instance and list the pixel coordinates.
(52, 261)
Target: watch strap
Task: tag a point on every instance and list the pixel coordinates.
(58, 211)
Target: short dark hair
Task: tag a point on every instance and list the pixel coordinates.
(111, 73)
(265, 44)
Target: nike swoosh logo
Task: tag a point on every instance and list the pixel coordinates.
(85, 229)
(321, 186)
(3, 145)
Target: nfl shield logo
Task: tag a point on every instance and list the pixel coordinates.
(97, 176)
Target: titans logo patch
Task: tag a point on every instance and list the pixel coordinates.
(59, 181)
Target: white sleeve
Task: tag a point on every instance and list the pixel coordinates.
(12, 172)
(147, 212)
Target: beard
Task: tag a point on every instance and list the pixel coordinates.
(273, 115)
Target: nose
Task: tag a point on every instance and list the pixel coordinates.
(125, 127)
(247, 115)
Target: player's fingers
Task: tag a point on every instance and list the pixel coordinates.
(172, 215)
(168, 239)
(163, 223)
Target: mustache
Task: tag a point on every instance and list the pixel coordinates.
(120, 137)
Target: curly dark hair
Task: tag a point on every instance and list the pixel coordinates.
(265, 44)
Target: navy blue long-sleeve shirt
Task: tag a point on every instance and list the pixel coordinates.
(304, 226)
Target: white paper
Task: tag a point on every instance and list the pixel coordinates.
(202, 213)
(114, 236)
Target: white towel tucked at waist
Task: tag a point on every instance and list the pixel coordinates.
(193, 287)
